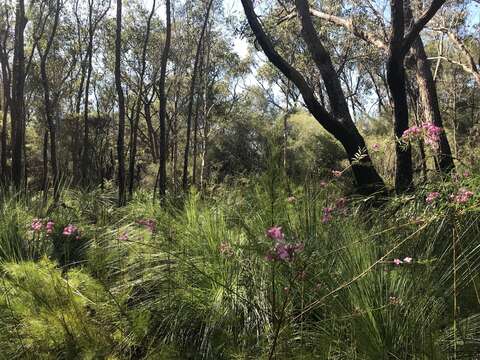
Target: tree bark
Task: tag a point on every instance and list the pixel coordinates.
(18, 99)
(162, 179)
(122, 198)
(399, 45)
(429, 98)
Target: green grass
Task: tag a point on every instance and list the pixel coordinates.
(198, 286)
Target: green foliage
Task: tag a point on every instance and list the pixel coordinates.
(191, 278)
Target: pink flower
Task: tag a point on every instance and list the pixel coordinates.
(376, 147)
(123, 237)
(397, 261)
(226, 249)
(36, 225)
(50, 225)
(340, 203)
(291, 199)
(150, 224)
(70, 230)
(327, 215)
(427, 130)
(336, 173)
(275, 233)
(323, 183)
(466, 174)
(432, 196)
(407, 260)
(462, 196)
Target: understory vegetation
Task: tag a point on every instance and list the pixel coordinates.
(263, 269)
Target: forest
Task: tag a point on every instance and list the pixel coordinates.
(240, 179)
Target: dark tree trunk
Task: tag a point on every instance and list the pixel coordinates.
(191, 96)
(18, 100)
(399, 45)
(85, 162)
(162, 179)
(5, 109)
(122, 199)
(367, 179)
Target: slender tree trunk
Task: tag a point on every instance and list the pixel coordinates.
(137, 106)
(45, 164)
(191, 96)
(122, 199)
(6, 82)
(151, 132)
(49, 114)
(162, 180)
(18, 100)
(5, 101)
(86, 141)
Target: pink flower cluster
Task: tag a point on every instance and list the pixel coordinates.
(407, 260)
(37, 226)
(462, 196)
(281, 251)
(340, 206)
(70, 230)
(150, 224)
(336, 173)
(431, 197)
(428, 130)
(123, 236)
(226, 249)
(327, 214)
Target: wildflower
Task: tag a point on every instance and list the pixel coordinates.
(393, 300)
(225, 249)
(327, 214)
(284, 252)
(407, 260)
(466, 174)
(432, 196)
(340, 203)
(323, 183)
(36, 225)
(336, 173)
(49, 226)
(123, 237)
(69, 230)
(462, 196)
(275, 233)
(291, 199)
(376, 147)
(397, 262)
(427, 130)
(150, 224)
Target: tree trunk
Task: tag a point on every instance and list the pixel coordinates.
(191, 96)
(85, 162)
(162, 180)
(48, 104)
(122, 199)
(137, 107)
(18, 100)
(429, 100)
